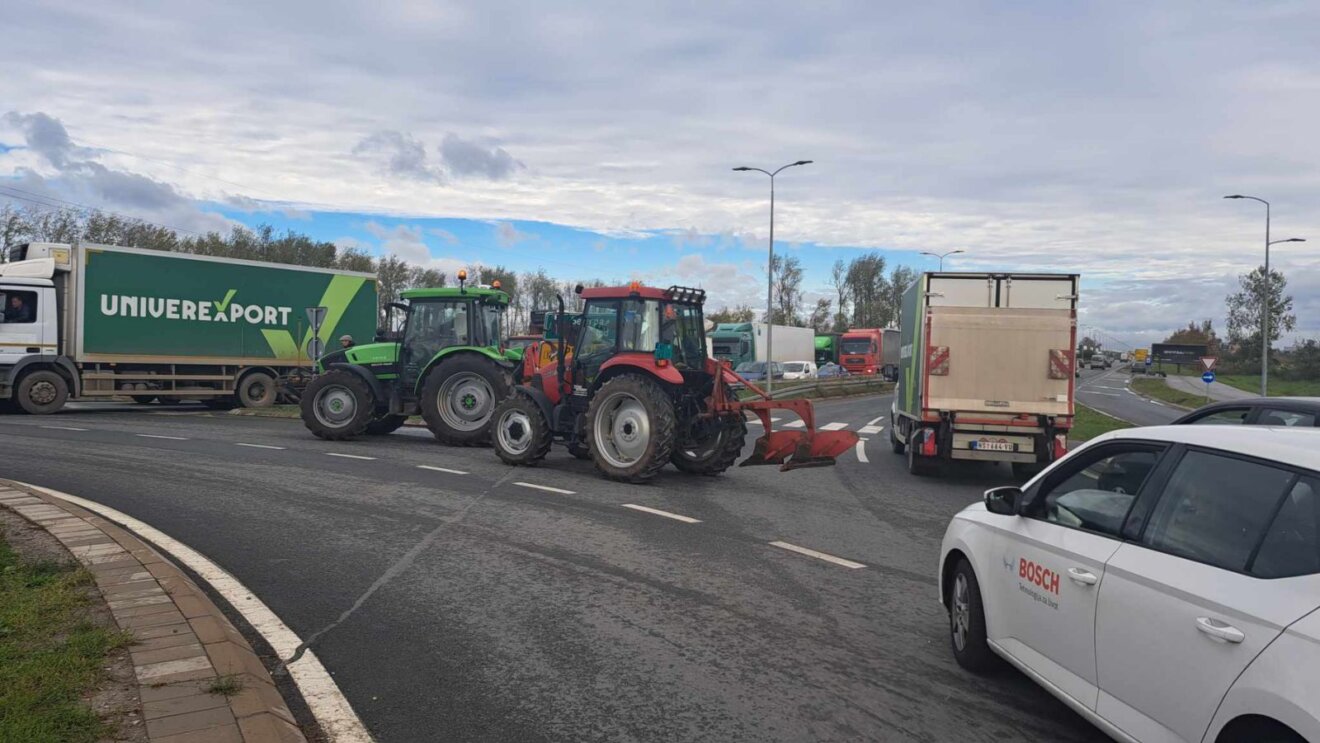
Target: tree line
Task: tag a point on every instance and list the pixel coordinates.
(867, 294)
(527, 290)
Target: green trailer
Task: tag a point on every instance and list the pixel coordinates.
(448, 363)
(96, 322)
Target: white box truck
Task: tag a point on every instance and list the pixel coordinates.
(986, 370)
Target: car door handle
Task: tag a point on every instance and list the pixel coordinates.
(1084, 577)
(1217, 629)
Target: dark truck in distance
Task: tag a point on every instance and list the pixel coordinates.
(93, 322)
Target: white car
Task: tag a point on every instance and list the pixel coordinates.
(799, 370)
(1163, 582)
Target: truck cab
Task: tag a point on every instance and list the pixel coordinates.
(733, 342)
(33, 371)
(859, 351)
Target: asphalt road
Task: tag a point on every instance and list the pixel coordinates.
(1108, 391)
(473, 607)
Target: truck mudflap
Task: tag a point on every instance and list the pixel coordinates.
(789, 449)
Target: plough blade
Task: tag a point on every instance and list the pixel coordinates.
(798, 449)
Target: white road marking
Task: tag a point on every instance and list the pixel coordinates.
(546, 488)
(666, 514)
(440, 469)
(818, 555)
(757, 421)
(796, 424)
(158, 436)
(257, 446)
(65, 428)
(861, 452)
(877, 420)
(326, 702)
(834, 426)
(871, 429)
(346, 456)
(1103, 394)
(1152, 402)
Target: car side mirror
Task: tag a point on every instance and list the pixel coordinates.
(1004, 501)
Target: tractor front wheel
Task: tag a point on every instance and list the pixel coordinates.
(713, 446)
(338, 405)
(630, 428)
(460, 395)
(520, 434)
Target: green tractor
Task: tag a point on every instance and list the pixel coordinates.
(448, 364)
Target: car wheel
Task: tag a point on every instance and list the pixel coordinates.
(967, 621)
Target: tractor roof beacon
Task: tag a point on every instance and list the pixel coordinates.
(627, 383)
(441, 355)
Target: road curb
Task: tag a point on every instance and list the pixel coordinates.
(185, 644)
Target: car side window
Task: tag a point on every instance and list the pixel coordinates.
(1230, 417)
(1292, 544)
(1275, 417)
(1214, 509)
(1097, 491)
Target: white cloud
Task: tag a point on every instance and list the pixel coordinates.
(508, 236)
(405, 241)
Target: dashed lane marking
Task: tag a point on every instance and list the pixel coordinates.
(158, 436)
(65, 428)
(546, 488)
(877, 420)
(796, 424)
(257, 446)
(834, 426)
(757, 421)
(871, 428)
(861, 452)
(666, 514)
(818, 555)
(445, 470)
(1152, 402)
(1103, 394)
(346, 456)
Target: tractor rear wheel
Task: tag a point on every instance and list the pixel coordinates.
(630, 428)
(460, 395)
(520, 433)
(385, 424)
(714, 447)
(338, 405)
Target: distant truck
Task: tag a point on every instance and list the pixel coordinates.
(827, 349)
(93, 322)
(742, 342)
(986, 370)
(861, 351)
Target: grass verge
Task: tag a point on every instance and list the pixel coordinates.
(1088, 424)
(52, 654)
(1158, 389)
(1278, 387)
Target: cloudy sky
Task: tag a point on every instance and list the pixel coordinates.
(596, 139)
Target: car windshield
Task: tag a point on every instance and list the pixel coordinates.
(856, 345)
(753, 367)
(794, 366)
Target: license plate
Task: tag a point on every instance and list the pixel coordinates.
(984, 445)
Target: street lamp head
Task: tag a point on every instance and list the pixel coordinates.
(804, 162)
(742, 168)
(957, 251)
(1295, 240)
(1236, 196)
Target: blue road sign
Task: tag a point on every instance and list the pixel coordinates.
(1208, 377)
(1149, 361)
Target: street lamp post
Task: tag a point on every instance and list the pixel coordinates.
(1265, 299)
(943, 256)
(770, 273)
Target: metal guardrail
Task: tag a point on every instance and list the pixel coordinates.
(835, 387)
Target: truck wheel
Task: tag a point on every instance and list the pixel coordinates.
(630, 428)
(520, 434)
(967, 622)
(385, 424)
(713, 450)
(460, 395)
(257, 390)
(338, 405)
(895, 442)
(42, 392)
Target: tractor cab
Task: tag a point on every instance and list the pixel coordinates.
(442, 356)
(629, 385)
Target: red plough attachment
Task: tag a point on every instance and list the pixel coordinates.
(789, 449)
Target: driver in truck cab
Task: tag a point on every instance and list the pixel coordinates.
(17, 310)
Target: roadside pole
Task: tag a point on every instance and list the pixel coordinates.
(1208, 363)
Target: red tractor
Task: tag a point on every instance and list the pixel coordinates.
(628, 385)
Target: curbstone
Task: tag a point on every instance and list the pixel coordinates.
(184, 643)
